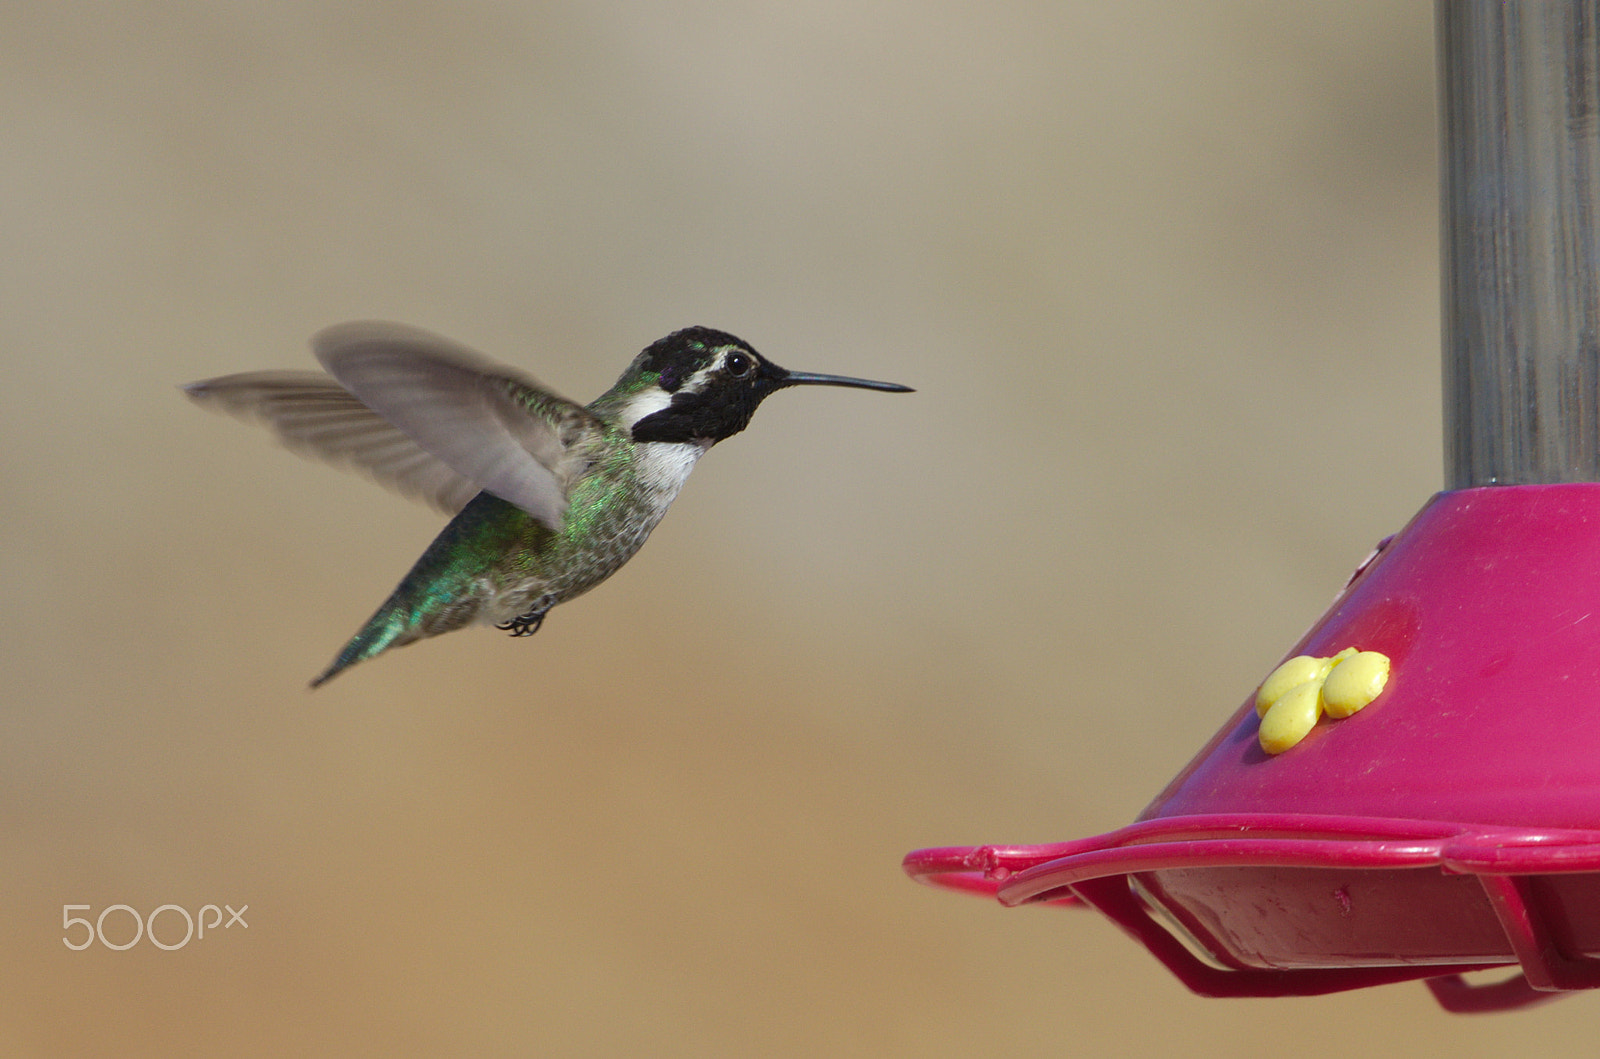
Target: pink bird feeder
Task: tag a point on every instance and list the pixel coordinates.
(1452, 825)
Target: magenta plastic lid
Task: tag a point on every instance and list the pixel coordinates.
(1452, 824)
(1488, 606)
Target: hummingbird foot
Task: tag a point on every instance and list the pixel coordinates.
(523, 624)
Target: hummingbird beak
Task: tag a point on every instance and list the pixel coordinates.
(809, 378)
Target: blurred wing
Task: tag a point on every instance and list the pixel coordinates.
(315, 416)
(489, 423)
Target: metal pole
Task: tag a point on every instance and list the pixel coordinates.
(1519, 98)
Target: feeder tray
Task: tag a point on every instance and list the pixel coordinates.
(1453, 825)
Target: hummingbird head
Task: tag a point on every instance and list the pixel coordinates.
(707, 385)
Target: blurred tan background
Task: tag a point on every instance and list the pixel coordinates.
(1165, 279)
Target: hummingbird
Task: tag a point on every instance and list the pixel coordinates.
(548, 497)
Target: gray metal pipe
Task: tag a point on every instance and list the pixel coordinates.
(1519, 99)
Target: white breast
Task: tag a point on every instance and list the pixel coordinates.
(662, 468)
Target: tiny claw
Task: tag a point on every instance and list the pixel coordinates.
(523, 624)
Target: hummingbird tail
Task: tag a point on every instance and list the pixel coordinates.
(448, 586)
(379, 634)
(398, 622)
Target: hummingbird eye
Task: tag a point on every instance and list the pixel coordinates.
(738, 364)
